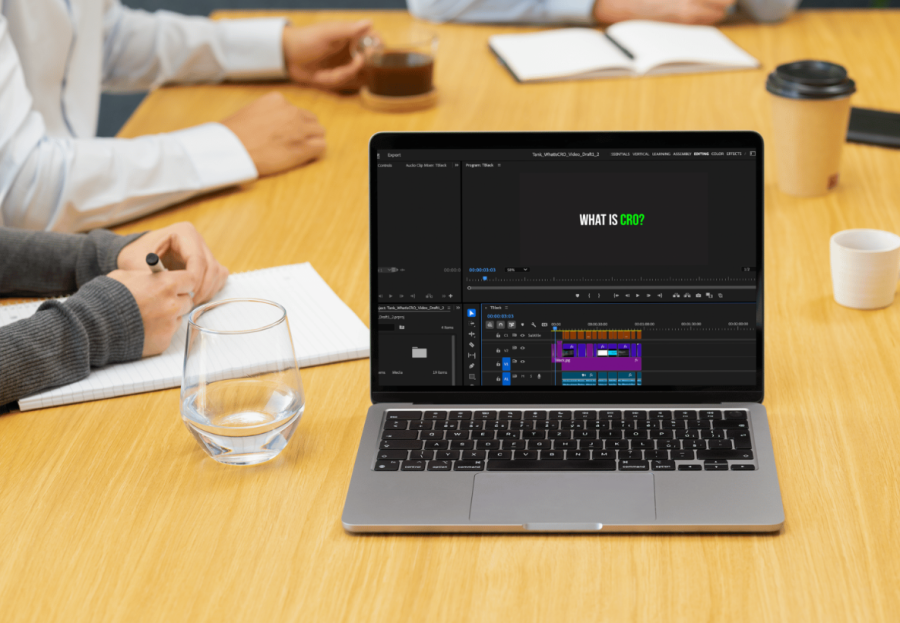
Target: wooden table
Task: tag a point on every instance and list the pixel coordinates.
(109, 511)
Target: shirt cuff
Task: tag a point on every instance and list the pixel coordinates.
(217, 154)
(253, 48)
(571, 11)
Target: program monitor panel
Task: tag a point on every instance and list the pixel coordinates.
(607, 269)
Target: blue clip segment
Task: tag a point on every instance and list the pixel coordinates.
(506, 364)
(506, 378)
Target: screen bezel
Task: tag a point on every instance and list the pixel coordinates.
(566, 140)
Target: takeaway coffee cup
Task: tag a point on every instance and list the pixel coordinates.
(810, 113)
(865, 267)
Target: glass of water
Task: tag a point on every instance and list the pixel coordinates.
(241, 395)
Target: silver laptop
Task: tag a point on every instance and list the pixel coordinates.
(567, 335)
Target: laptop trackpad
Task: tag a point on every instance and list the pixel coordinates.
(584, 498)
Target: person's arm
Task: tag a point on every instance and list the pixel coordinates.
(48, 263)
(119, 317)
(143, 50)
(768, 10)
(500, 11)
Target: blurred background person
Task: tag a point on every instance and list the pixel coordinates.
(57, 55)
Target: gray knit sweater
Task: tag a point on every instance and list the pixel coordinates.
(98, 325)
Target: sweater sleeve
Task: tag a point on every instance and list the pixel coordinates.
(45, 263)
(99, 325)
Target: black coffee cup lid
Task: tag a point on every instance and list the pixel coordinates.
(805, 80)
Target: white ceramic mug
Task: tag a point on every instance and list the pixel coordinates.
(865, 267)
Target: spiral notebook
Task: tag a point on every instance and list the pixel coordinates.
(323, 328)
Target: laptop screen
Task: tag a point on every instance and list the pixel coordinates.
(601, 266)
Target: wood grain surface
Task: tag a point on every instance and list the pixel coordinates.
(109, 511)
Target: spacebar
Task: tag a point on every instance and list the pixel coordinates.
(547, 466)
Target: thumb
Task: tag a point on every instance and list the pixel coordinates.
(348, 30)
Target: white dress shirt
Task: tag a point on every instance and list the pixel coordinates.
(57, 55)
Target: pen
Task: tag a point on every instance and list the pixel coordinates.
(155, 263)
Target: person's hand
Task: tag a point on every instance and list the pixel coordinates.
(180, 247)
(679, 11)
(163, 299)
(319, 55)
(277, 135)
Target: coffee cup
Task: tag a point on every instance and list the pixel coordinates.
(399, 70)
(810, 114)
(865, 267)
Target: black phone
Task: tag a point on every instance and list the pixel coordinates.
(874, 127)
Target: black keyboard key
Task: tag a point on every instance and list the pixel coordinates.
(413, 466)
(395, 425)
(447, 425)
(473, 425)
(586, 415)
(526, 455)
(551, 455)
(741, 424)
(604, 455)
(437, 444)
(469, 466)
(591, 444)
(387, 466)
(515, 444)
(741, 439)
(634, 466)
(535, 415)
(692, 467)
(551, 465)
(403, 415)
(736, 455)
(431, 435)
(657, 455)
(585, 434)
(508, 434)
(447, 455)
(483, 434)
(559, 434)
(719, 444)
(399, 434)
(611, 434)
(715, 467)
(457, 435)
(490, 444)
(682, 455)
(462, 445)
(502, 455)
(439, 466)
(435, 415)
(391, 455)
(420, 425)
(668, 444)
(421, 455)
(609, 415)
(694, 444)
(565, 444)
(742, 467)
(662, 466)
(460, 415)
(662, 434)
(485, 415)
(736, 415)
(578, 455)
(686, 415)
(618, 444)
(630, 455)
(661, 415)
(474, 455)
(391, 444)
(510, 415)
(560, 415)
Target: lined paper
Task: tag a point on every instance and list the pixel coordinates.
(323, 328)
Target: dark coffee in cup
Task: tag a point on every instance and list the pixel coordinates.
(398, 74)
(810, 114)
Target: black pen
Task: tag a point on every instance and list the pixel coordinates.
(155, 263)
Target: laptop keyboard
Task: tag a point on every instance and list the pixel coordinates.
(566, 440)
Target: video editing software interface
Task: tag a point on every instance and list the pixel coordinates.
(526, 268)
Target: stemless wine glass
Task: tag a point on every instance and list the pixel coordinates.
(241, 395)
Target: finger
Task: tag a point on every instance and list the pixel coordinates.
(345, 30)
(181, 281)
(185, 305)
(338, 76)
(207, 288)
(310, 149)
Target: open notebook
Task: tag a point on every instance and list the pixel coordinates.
(323, 328)
(631, 48)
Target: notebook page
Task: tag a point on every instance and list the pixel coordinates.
(656, 44)
(560, 53)
(323, 329)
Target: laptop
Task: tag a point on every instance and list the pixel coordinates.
(566, 335)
